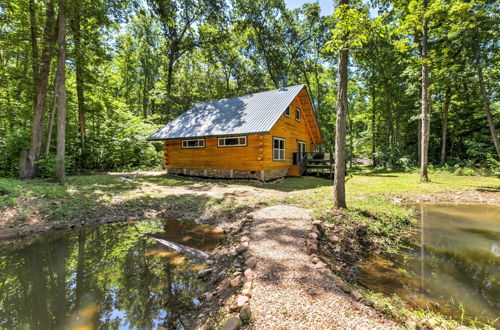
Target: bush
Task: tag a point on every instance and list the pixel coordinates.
(464, 171)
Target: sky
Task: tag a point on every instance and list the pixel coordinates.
(326, 5)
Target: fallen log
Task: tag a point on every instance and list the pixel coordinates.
(194, 253)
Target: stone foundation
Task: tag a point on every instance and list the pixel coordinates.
(230, 174)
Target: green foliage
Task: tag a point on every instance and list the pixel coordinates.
(145, 64)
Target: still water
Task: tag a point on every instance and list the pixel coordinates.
(453, 265)
(110, 276)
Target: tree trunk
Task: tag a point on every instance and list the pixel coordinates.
(424, 177)
(374, 162)
(61, 94)
(79, 68)
(170, 78)
(484, 94)
(447, 101)
(51, 119)
(27, 166)
(340, 125)
(34, 48)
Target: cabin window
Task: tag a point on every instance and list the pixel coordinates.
(193, 143)
(297, 114)
(234, 141)
(278, 149)
(287, 111)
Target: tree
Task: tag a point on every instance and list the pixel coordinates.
(482, 88)
(41, 67)
(178, 19)
(61, 93)
(340, 124)
(424, 100)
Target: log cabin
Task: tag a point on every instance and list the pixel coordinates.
(256, 136)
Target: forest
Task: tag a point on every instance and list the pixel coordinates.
(85, 82)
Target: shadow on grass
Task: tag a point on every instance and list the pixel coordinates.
(493, 189)
(296, 184)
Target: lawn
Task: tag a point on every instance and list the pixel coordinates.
(380, 195)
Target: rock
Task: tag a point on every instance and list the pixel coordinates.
(209, 296)
(334, 239)
(248, 274)
(344, 287)
(233, 307)
(325, 271)
(233, 253)
(219, 277)
(315, 230)
(247, 285)
(356, 295)
(246, 292)
(251, 262)
(245, 313)
(315, 260)
(310, 242)
(312, 235)
(313, 248)
(317, 222)
(245, 239)
(366, 302)
(233, 323)
(242, 300)
(204, 272)
(235, 282)
(242, 247)
(320, 265)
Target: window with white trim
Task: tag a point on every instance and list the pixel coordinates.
(278, 149)
(233, 141)
(193, 143)
(287, 111)
(297, 114)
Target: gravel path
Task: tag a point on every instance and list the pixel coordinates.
(288, 293)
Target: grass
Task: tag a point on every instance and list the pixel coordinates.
(370, 193)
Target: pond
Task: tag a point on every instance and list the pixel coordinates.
(453, 265)
(110, 276)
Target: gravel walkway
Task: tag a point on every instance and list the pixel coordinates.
(288, 293)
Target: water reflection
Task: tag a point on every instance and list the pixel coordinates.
(111, 276)
(453, 264)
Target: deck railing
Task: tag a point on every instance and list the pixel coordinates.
(309, 161)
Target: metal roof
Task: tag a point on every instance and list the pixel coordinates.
(248, 114)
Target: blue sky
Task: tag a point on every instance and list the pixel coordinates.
(326, 5)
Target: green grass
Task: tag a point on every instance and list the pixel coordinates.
(371, 196)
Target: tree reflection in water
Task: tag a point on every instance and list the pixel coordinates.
(109, 276)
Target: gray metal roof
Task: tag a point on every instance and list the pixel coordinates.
(249, 114)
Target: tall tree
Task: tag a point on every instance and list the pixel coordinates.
(79, 70)
(27, 166)
(178, 19)
(425, 120)
(484, 93)
(444, 128)
(61, 93)
(339, 200)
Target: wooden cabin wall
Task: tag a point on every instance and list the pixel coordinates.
(214, 157)
(292, 131)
